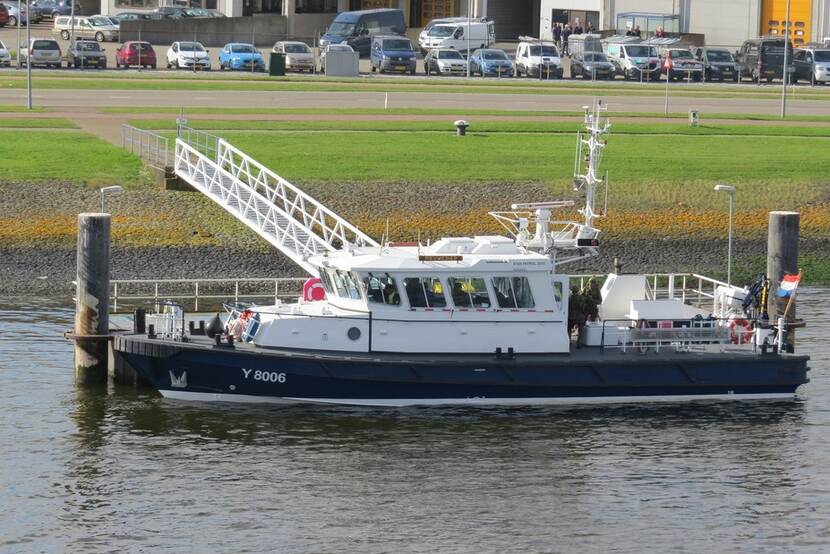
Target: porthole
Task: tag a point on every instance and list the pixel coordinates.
(353, 333)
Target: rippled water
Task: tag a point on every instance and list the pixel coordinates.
(120, 470)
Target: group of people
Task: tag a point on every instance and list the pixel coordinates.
(562, 32)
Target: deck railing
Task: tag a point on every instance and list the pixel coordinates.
(196, 294)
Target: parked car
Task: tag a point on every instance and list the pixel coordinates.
(634, 61)
(42, 51)
(718, 63)
(680, 63)
(592, 65)
(5, 56)
(170, 12)
(188, 55)
(392, 53)
(763, 58)
(35, 15)
(460, 35)
(445, 61)
(135, 52)
(238, 55)
(490, 61)
(14, 16)
(298, 56)
(538, 58)
(98, 27)
(86, 53)
(132, 16)
(198, 12)
(357, 28)
(216, 13)
(54, 8)
(811, 65)
(4, 15)
(332, 48)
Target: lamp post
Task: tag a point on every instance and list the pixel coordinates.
(785, 76)
(113, 190)
(730, 190)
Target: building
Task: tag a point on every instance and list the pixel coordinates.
(723, 22)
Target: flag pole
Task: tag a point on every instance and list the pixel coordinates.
(792, 296)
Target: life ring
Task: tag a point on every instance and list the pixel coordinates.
(740, 331)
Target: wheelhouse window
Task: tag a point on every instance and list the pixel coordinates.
(424, 292)
(513, 292)
(469, 292)
(381, 289)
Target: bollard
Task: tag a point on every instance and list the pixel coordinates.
(782, 257)
(461, 127)
(91, 333)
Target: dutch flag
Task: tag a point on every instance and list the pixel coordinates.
(788, 285)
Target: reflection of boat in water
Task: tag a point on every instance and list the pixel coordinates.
(481, 320)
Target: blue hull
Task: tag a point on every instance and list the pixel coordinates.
(190, 371)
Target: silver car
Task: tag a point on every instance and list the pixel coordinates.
(298, 56)
(42, 51)
(445, 61)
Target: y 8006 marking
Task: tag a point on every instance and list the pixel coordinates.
(266, 376)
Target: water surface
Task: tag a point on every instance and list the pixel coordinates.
(120, 470)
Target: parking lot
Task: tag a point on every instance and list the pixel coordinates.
(44, 30)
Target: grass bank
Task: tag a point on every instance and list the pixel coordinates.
(36, 123)
(67, 156)
(486, 126)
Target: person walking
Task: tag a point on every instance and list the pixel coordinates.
(590, 28)
(565, 34)
(637, 32)
(578, 29)
(557, 34)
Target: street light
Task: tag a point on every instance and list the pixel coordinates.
(730, 190)
(113, 190)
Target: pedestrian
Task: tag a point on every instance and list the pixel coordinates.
(660, 33)
(565, 34)
(578, 29)
(557, 34)
(637, 32)
(590, 28)
(629, 32)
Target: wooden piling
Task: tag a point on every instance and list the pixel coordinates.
(92, 305)
(782, 257)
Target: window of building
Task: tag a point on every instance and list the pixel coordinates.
(469, 292)
(381, 289)
(316, 6)
(513, 292)
(424, 292)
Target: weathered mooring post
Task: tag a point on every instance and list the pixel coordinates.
(782, 257)
(92, 304)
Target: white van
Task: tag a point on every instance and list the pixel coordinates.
(424, 34)
(460, 35)
(633, 60)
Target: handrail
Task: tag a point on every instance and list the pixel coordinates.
(147, 145)
(657, 336)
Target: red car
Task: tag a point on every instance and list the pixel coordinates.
(4, 16)
(137, 53)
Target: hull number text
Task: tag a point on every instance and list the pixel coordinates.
(266, 376)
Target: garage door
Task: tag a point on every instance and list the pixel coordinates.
(513, 18)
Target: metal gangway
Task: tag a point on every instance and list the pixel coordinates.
(295, 223)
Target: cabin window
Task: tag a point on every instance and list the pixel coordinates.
(381, 289)
(327, 284)
(350, 281)
(339, 283)
(513, 292)
(557, 294)
(424, 292)
(469, 292)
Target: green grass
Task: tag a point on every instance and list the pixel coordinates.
(72, 157)
(647, 172)
(514, 126)
(37, 123)
(395, 85)
(447, 111)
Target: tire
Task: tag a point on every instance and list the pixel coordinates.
(12, 21)
(426, 69)
(769, 80)
(438, 71)
(55, 15)
(99, 36)
(374, 69)
(65, 35)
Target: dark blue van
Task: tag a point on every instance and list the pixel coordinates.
(357, 28)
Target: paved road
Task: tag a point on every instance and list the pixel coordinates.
(305, 99)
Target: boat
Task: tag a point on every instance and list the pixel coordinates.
(482, 320)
